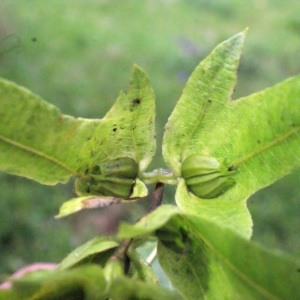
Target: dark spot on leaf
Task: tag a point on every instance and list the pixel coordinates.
(134, 103)
(258, 141)
(34, 39)
(231, 168)
(88, 138)
(209, 101)
(30, 121)
(115, 129)
(298, 270)
(188, 271)
(96, 170)
(86, 171)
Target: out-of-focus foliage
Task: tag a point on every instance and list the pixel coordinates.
(77, 55)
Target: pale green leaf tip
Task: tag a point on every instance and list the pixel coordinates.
(241, 35)
(70, 207)
(138, 71)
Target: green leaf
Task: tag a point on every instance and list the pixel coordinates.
(260, 139)
(258, 135)
(89, 202)
(87, 282)
(89, 251)
(84, 283)
(100, 249)
(206, 93)
(8, 294)
(214, 262)
(139, 268)
(36, 140)
(128, 129)
(190, 131)
(231, 213)
(128, 289)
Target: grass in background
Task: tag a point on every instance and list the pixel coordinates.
(78, 55)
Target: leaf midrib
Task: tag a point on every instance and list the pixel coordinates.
(205, 107)
(37, 153)
(235, 270)
(259, 150)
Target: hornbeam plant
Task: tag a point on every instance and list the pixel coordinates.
(218, 151)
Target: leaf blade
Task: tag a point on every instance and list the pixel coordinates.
(260, 137)
(220, 263)
(36, 140)
(207, 91)
(128, 128)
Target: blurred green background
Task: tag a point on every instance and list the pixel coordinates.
(78, 55)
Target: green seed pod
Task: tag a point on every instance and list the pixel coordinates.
(120, 167)
(206, 177)
(110, 178)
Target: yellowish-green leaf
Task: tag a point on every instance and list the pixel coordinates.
(88, 282)
(88, 251)
(89, 202)
(206, 93)
(128, 129)
(36, 140)
(207, 261)
(257, 136)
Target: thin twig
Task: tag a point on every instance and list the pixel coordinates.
(157, 196)
(120, 253)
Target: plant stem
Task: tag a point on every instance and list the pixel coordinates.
(157, 196)
(120, 253)
(159, 175)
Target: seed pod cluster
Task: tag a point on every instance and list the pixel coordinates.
(206, 177)
(110, 178)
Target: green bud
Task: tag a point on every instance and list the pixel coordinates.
(111, 178)
(124, 167)
(207, 177)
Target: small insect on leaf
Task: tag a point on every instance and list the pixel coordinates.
(207, 177)
(110, 178)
